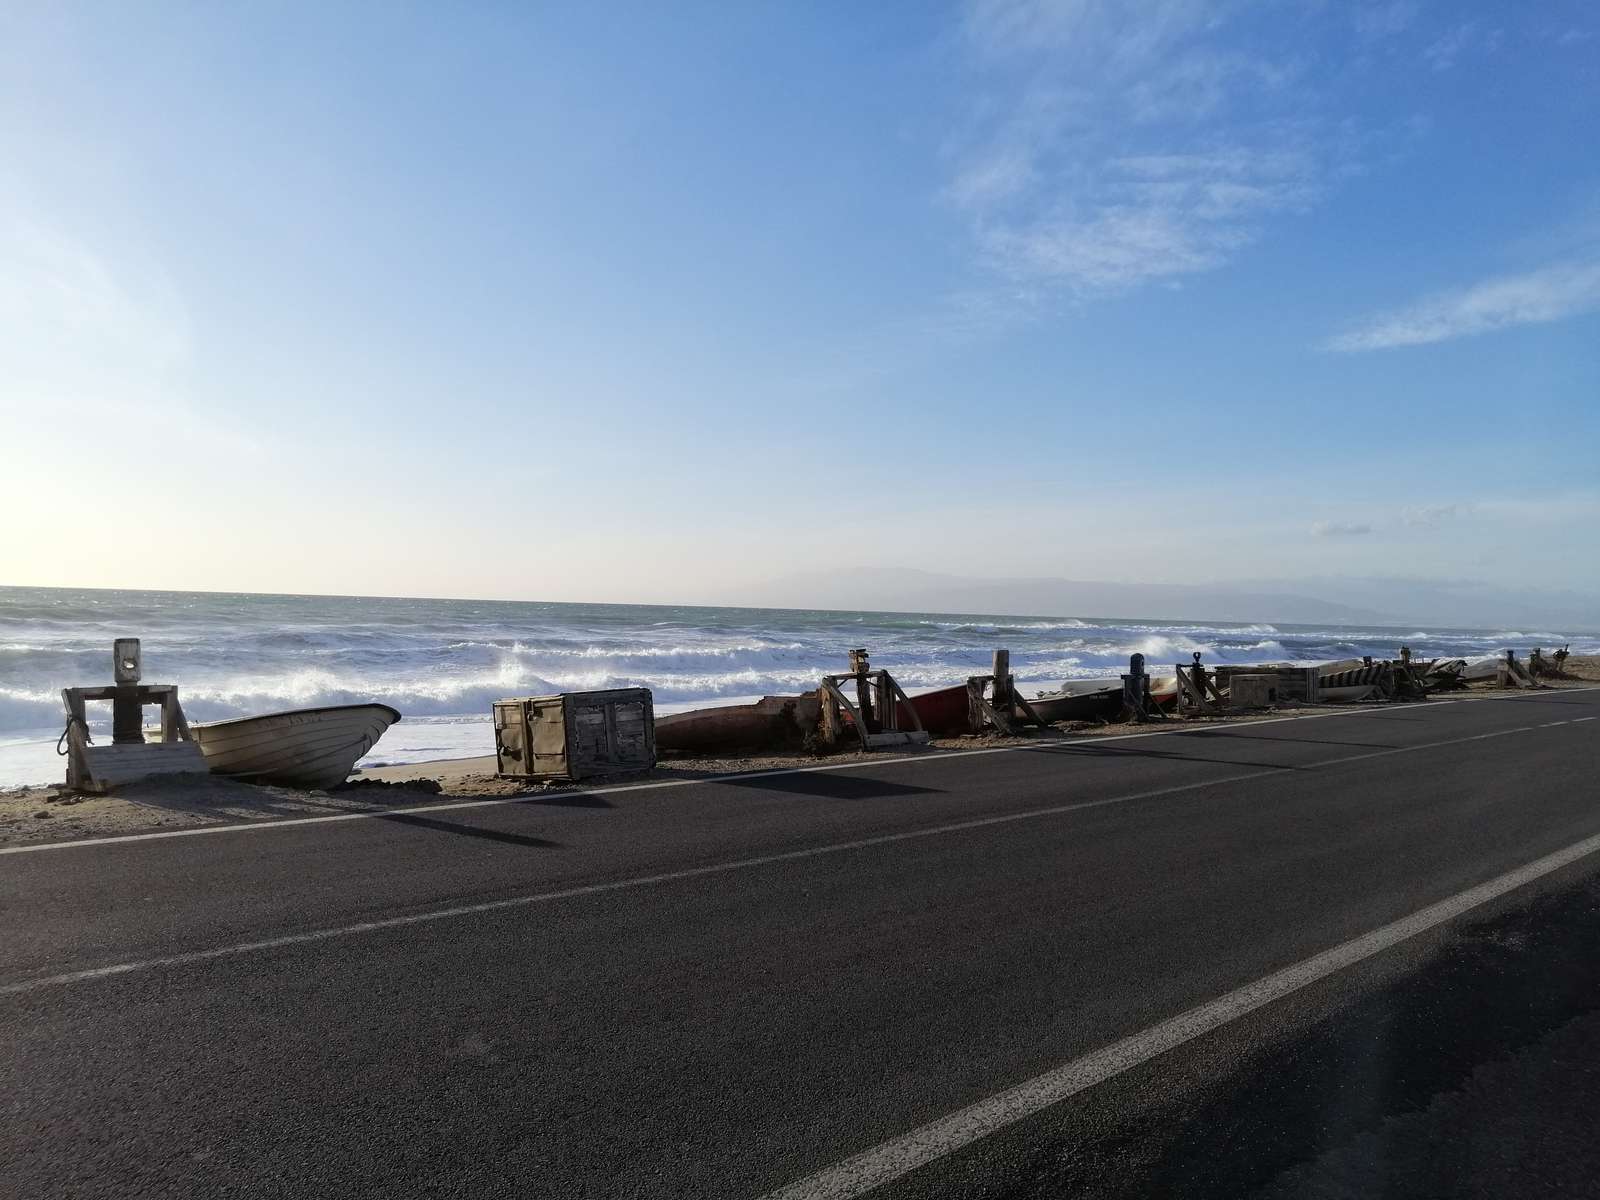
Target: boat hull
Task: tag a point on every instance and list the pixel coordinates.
(771, 723)
(1349, 680)
(1080, 700)
(308, 748)
(943, 711)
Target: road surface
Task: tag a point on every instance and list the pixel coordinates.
(1206, 962)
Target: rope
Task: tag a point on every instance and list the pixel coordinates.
(62, 740)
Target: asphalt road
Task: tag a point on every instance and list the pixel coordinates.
(720, 989)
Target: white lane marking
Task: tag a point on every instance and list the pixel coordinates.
(464, 910)
(1580, 720)
(941, 756)
(890, 1160)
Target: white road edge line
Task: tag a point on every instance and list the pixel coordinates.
(888, 1161)
(944, 756)
(741, 864)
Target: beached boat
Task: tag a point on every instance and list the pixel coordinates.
(1164, 691)
(943, 711)
(1079, 700)
(1478, 669)
(1349, 679)
(771, 723)
(307, 747)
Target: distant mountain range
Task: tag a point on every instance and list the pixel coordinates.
(1318, 601)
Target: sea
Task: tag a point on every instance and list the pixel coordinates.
(442, 662)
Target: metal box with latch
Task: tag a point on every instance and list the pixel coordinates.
(575, 734)
(1252, 691)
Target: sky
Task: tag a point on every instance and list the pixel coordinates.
(649, 303)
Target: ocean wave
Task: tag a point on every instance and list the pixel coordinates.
(22, 708)
(238, 655)
(1003, 626)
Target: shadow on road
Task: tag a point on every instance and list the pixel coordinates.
(567, 800)
(473, 831)
(1263, 737)
(1083, 750)
(1475, 1076)
(830, 786)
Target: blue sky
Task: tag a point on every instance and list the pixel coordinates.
(594, 302)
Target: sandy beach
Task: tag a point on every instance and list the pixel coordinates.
(52, 813)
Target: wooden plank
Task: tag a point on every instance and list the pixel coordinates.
(979, 708)
(832, 718)
(1021, 702)
(899, 695)
(107, 767)
(895, 737)
(1000, 672)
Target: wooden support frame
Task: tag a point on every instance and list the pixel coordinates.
(99, 768)
(1000, 709)
(1512, 673)
(879, 702)
(1198, 694)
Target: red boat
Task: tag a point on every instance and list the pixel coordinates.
(942, 712)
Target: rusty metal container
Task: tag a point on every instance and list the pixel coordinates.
(575, 735)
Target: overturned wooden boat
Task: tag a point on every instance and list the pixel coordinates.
(941, 711)
(306, 747)
(1097, 699)
(1350, 679)
(771, 723)
(1478, 669)
(1080, 700)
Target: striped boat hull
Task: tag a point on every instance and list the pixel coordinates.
(1352, 683)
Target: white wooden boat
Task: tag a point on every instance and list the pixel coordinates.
(307, 747)
(1486, 667)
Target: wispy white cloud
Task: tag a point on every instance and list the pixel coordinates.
(992, 180)
(90, 339)
(1048, 174)
(1429, 515)
(1133, 34)
(1552, 293)
(1543, 510)
(1384, 18)
(1334, 529)
(1443, 52)
(62, 300)
(1151, 217)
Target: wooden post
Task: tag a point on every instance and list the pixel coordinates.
(830, 714)
(859, 666)
(981, 711)
(1136, 691)
(1001, 670)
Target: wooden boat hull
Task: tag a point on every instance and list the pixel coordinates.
(771, 723)
(1079, 700)
(308, 748)
(1349, 680)
(943, 711)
